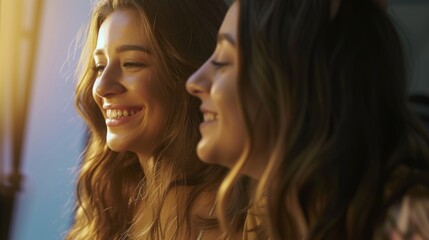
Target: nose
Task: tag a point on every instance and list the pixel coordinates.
(200, 82)
(108, 84)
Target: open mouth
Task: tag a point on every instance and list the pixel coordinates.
(122, 113)
(210, 117)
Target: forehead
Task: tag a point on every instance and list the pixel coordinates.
(120, 27)
(230, 21)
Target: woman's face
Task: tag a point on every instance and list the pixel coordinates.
(125, 88)
(215, 83)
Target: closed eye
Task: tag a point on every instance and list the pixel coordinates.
(219, 64)
(134, 65)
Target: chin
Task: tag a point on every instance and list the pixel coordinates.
(204, 158)
(117, 145)
(114, 147)
(214, 157)
(207, 156)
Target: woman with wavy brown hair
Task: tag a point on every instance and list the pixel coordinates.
(140, 177)
(309, 99)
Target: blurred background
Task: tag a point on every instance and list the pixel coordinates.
(41, 135)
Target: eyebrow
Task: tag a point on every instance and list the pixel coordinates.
(125, 48)
(227, 37)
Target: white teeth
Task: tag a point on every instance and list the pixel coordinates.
(119, 113)
(208, 117)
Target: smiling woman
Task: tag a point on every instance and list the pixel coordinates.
(125, 88)
(308, 99)
(140, 176)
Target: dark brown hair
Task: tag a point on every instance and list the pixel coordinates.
(333, 90)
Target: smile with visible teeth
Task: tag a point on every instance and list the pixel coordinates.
(121, 113)
(208, 117)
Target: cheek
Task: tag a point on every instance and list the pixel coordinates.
(232, 134)
(156, 102)
(224, 94)
(147, 86)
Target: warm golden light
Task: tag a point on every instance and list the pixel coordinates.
(9, 25)
(19, 28)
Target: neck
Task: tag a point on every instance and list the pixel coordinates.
(146, 163)
(156, 172)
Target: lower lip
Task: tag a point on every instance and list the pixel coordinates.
(207, 123)
(121, 121)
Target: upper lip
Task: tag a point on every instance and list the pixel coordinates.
(204, 110)
(121, 106)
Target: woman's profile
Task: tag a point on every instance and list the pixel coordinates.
(309, 99)
(140, 177)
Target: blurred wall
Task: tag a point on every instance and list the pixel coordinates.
(54, 131)
(412, 18)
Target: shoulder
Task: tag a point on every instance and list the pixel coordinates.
(407, 201)
(192, 212)
(409, 218)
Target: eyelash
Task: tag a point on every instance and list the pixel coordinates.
(100, 68)
(133, 64)
(218, 64)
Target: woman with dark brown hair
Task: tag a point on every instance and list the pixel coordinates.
(309, 99)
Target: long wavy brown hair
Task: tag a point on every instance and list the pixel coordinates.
(182, 35)
(345, 146)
